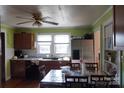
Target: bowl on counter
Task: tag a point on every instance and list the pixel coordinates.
(15, 57)
(25, 56)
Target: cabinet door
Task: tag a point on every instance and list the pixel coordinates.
(18, 69)
(26, 40)
(23, 41)
(50, 65)
(29, 41)
(32, 41)
(18, 41)
(118, 26)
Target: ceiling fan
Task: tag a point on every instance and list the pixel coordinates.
(37, 20)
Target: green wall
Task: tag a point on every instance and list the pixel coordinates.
(9, 33)
(73, 31)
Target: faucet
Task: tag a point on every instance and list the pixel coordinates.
(52, 56)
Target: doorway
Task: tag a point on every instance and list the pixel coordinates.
(2, 58)
(97, 47)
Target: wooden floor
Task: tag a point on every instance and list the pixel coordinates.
(18, 83)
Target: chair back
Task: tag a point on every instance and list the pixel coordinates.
(42, 70)
(95, 78)
(109, 77)
(75, 66)
(101, 80)
(91, 66)
(76, 81)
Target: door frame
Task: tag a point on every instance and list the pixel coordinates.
(2, 57)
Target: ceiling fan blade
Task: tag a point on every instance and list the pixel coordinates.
(44, 18)
(53, 23)
(24, 22)
(24, 18)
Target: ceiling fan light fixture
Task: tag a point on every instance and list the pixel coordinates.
(37, 23)
(37, 19)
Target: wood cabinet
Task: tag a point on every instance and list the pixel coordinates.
(53, 64)
(24, 69)
(118, 17)
(23, 40)
(18, 69)
(50, 65)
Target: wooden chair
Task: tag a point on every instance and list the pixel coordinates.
(109, 78)
(75, 66)
(42, 70)
(97, 81)
(76, 81)
(101, 80)
(91, 66)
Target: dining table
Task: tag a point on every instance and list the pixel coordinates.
(56, 77)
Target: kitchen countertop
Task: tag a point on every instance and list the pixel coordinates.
(37, 59)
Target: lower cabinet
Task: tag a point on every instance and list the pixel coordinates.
(50, 65)
(54, 64)
(25, 69)
(18, 69)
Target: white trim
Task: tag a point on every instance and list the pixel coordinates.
(102, 15)
(8, 78)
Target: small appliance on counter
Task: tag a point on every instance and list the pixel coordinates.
(19, 53)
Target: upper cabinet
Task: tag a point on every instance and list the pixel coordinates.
(118, 17)
(23, 40)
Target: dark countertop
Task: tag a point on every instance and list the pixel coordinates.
(37, 59)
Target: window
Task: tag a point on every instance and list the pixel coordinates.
(44, 44)
(61, 44)
(61, 48)
(61, 38)
(44, 38)
(54, 44)
(44, 48)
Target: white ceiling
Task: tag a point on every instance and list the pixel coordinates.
(65, 15)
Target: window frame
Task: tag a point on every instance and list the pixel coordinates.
(52, 48)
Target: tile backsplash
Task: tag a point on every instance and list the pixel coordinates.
(33, 54)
